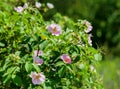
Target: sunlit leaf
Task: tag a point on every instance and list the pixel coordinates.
(36, 67)
(28, 66)
(60, 63)
(2, 44)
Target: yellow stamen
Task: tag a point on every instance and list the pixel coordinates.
(37, 76)
(66, 60)
(36, 62)
(54, 29)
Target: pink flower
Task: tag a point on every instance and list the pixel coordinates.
(89, 39)
(19, 9)
(54, 29)
(38, 53)
(88, 25)
(66, 59)
(37, 78)
(50, 5)
(37, 61)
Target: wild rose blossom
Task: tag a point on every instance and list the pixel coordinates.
(88, 25)
(19, 9)
(50, 5)
(37, 78)
(38, 4)
(89, 39)
(54, 29)
(37, 61)
(66, 59)
(38, 53)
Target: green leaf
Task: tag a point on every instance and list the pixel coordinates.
(44, 44)
(70, 69)
(11, 70)
(73, 87)
(28, 66)
(46, 87)
(7, 64)
(60, 63)
(64, 87)
(36, 67)
(76, 59)
(17, 53)
(61, 71)
(6, 78)
(17, 80)
(2, 44)
(39, 87)
(30, 86)
(98, 57)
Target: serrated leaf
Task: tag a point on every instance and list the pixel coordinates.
(28, 66)
(60, 63)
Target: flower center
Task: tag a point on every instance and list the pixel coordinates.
(54, 29)
(36, 62)
(66, 59)
(37, 76)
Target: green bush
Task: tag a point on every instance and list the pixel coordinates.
(104, 15)
(40, 54)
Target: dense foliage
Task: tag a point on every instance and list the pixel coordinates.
(45, 54)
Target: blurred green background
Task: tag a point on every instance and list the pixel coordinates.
(104, 16)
